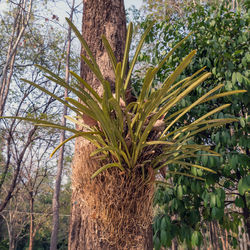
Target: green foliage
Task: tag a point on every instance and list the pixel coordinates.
(221, 38)
(244, 185)
(4, 245)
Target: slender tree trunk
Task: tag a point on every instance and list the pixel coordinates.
(11, 243)
(215, 235)
(20, 23)
(222, 237)
(246, 215)
(56, 205)
(10, 233)
(211, 233)
(12, 187)
(31, 222)
(111, 211)
(226, 238)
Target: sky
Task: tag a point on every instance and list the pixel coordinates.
(136, 3)
(128, 3)
(58, 8)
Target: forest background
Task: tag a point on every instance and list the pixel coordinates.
(188, 213)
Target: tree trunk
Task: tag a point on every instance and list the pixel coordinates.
(31, 222)
(21, 21)
(113, 210)
(214, 232)
(222, 237)
(56, 204)
(10, 233)
(246, 215)
(11, 243)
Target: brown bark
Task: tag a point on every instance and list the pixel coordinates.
(214, 233)
(106, 210)
(93, 206)
(222, 237)
(107, 18)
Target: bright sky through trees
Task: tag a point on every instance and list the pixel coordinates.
(60, 6)
(136, 3)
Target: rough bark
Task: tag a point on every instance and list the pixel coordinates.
(90, 228)
(87, 230)
(214, 235)
(103, 18)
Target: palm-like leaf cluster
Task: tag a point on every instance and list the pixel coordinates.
(140, 134)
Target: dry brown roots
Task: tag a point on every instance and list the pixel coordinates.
(120, 203)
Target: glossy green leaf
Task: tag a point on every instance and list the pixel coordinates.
(244, 185)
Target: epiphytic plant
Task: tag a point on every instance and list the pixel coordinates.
(136, 135)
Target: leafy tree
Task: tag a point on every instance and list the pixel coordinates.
(220, 36)
(166, 9)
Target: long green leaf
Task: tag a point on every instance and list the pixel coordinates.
(78, 122)
(55, 78)
(185, 174)
(82, 108)
(107, 166)
(146, 84)
(34, 120)
(51, 94)
(87, 86)
(162, 111)
(109, 51)
(173, 50)
(192, 126)
(92, 67)
(84, 44)
(156, 69)
(202, 129)
(197, 102)
(212, 112)
(118, 83)
(41, 123)
(138, 49)
(62, 143)
(158, 143)
(57, 126)
(195, 166)
(126, 51)
(106, 123)
(118, 112)
(233, 92)
(118, 152)
(168, 82)
(82, 94)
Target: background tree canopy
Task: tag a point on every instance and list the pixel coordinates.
(188, 209)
